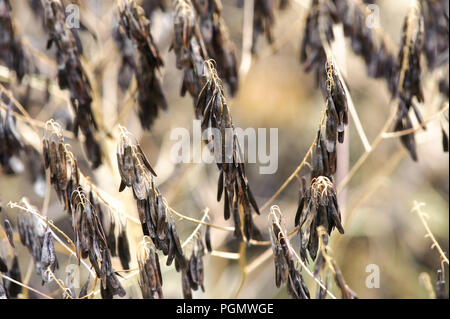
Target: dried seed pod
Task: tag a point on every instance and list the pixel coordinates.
(3, 267)
(84, 289)
(440, 285)
(13, 289)
(11, 143)
(9, 232)
(110, 284)
(285, 270)
(150, 95)
(48, 257)
(71, 76)
(208, 238)
(123, 249)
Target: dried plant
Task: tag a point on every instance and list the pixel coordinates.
(192, 277)
(149, 271)
(213, 111)
(72, 76)
(409, 80)
(217, 41)
(11, 142)
(154, 213)
(12, 52)
(150, 96)
(285, 268)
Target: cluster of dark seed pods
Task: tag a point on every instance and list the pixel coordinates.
(409, 81)
(150, 280)
(374, 48)
(12, 52)
(192, 277)
(8, 289)
(88, 218)
(318, 201)
(39, 242)
(72, 76)
(217, 40)
(189, 48)
(90, 242)
(154, 214)
(214, 113)
(11, 143)
(127, 51)
(150, 95)
(285, 268)
(318, 28)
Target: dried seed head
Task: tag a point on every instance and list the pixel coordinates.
(285, 268)
(71, 76)
(150, 96)
(48, 257)
(150, 280)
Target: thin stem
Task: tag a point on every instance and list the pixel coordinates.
(25, 286)
(422, 215)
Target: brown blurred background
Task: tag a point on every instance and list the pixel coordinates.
(275, 93)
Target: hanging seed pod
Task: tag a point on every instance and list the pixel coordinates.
(84, 289)
(9, 232)
(123, 249)
(3, 267)
(13, 289)
(11, 143)
(285, 270)
(208, 238)
(48, 257)
(110, 285)
(440, 285)
(150, 95)
(71, 76)
(127, 51)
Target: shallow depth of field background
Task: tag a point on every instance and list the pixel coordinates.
(276, 93)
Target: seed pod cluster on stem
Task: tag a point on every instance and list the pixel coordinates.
(285, 268)
(214, 113)
(150, 95)
(193, 276)
(217, 41)
(150, 279)
(154, 213)
(72, 76)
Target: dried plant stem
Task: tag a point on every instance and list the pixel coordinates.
(366, 154)
(417, 127)
(299, 167)
(247, 38)
(25, 286)
(59, 283)
(423, 218)
(225, 228)
(196, 230)
(28, 209)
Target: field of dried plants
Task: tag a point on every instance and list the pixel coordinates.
(93, 203)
